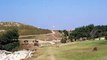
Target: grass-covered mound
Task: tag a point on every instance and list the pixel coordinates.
(23, 28)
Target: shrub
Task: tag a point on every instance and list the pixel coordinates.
(9, 39)
(63, 40)
(106, 37)
(10, 46)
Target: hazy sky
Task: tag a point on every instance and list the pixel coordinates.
(54, 14)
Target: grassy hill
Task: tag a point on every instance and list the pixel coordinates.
(23, 28)
(50, 36)
(30, 32)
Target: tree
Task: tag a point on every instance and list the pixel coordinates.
(65, 35)
(9, 39)
(71, 36)
(88, 32)
(63, 40)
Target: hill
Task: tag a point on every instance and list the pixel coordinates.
(29, 32)
(23, 28)
(50, 36)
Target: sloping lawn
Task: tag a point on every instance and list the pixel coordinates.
(83, 51)
(79, 51)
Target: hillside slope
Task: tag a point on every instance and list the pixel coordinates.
(48, 37)
(23, 28)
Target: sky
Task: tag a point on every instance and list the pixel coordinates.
(54, 14)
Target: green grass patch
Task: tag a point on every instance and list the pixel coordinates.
(81, 50)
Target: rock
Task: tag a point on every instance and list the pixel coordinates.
(95, 49)
(18, 55)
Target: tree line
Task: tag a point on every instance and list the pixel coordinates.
(89, 32)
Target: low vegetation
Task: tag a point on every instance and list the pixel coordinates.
(23, 29)
(30, 30)
(9, 39)
(76, 51)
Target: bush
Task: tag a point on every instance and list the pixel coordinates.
(10, 46)
(9, 39)
(63, 40)
(106, 37)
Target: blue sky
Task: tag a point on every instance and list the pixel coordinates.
(63, 14)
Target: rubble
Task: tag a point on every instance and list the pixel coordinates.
(17, 55)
